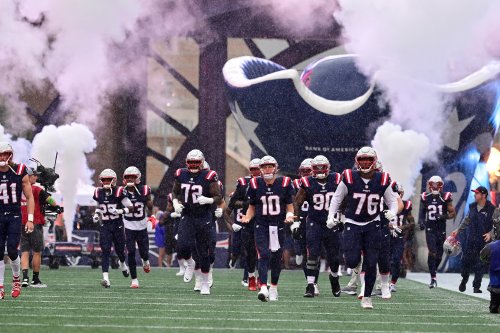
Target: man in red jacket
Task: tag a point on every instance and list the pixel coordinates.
(34, 241)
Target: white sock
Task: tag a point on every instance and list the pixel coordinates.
(362, 278)
(334, 274)
(135, 281)
(2, 272)
(310, 279)
(123, 266)
(16, 267)
(384, 278)
(145, 262)
(190, 262)
(105, 276)
(251, 274)
(204, 277)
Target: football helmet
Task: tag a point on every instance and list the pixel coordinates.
(194, 161)
(6, 153)
(452, 246)
(366, 159)
(305, 168)
(107, 178)
(206, 166)
(435, 184)
(254, 167)
(129, 174)
(401, 190)
(268, 173)
(320, 167)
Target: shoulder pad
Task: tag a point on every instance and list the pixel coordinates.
(178, 172)
(170, 197)
(447, 196)
(424, 195)
(305, 182)
(254, 183)
(408, 205)
(385, 179)
(242, 181)
(96, 192)
(119, 191)
(146, 190)
(338, 178)
(20, 169)
(286, 181)
(297, 182)
(348, 176)
(210, 175)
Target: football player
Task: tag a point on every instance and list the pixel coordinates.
(437, 207)
(136, 222)
(405, 222)
(171, 221)
(238, 205)
(271, 201)
(112, 204)
(194, 192)
(14, 181)
(299, 230)
(318, 191)
(363, 190)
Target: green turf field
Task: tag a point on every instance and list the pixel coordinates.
(75, 302)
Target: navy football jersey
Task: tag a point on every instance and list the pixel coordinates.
(193, 186)
(11, 189)
(107, 199)
(240, 194)
(435, 205)
(319, 195)
(138, 197)
(270, 201)
(297, 183)
(402, 217)
(363, 199)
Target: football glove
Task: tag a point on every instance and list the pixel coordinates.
(236, 227)
(295, 228)
(95, 217)
(178, 207)
(394, 226)
(218, 212)
(442, 218)
(115, 211)
(394, 233)
(332, 222)
(202, 200)
(175, 215)
(389, 214)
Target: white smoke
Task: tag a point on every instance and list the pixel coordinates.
(409, 41)
(87, 49)
(21, 146)
(71, 142)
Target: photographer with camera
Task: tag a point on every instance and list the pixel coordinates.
(34, 241)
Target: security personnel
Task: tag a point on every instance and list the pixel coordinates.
(490, 254)
(478, 222)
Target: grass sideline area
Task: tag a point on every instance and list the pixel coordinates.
(75, 301)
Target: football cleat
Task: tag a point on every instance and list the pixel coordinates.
(244, 283)
(309, 290)
(366, 303)
(316, 290)
(26, 283)
(205, 288)
(105, 283)
(386, 291)
(211, 277)
(433, 284)
(38, 284)
(182, 270)
(16, 288)
(252, 283)
(392, 287)
(273, 293)
(350, 290)
(146, 266)
(462, 286)
(263, 294)
(334, 283)
(188, 274)
(123, 267)
(2, 292)
(477, 291)
(377, 292)
(134, 284)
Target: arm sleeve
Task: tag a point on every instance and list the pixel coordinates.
(391, 199)
(290, 193)
(337, 199)
(252, 196)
